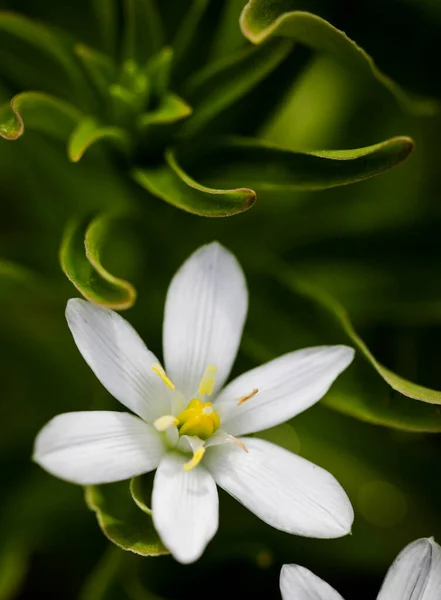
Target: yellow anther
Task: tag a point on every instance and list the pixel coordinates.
(197, 457)
(163, 423)
(243, 399)
(156, 367)
(199, 419)
(208, 381)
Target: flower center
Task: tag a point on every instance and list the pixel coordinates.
(199, 419)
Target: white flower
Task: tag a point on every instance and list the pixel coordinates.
(186, 438)
(414, 575)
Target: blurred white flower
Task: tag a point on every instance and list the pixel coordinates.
(414, 575)
(192, 442)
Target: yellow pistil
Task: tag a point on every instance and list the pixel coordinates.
(197, 457)
(208, 381)
(156, 367)
(199, 419)
(243, 399)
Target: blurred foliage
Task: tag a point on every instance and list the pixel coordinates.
(370, 253)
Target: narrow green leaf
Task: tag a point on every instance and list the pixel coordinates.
(187, 29)
(396, 382)
(88, 132)
(13, 567)
(263, 19)
(170, 183)
(40, 112)
(228, 37)
(121, 521)
(106, 12)
(99, 67)
(158, 71)
(171, 110)
(262, 166)
(144, 33)
(103, 580)
(80, 258)
(216, 87)
(44, 40)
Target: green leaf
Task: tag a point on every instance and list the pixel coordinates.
(170, 183)
(187, 29)
(216, 87)
(99, 67)
(44, 40)
(141, 491)
(405, 387)
(106, 12)
(171, 110)
(39, 112)
(359, 392)
(13, 567)
(263, 19)
(158, 71)
(80, 258)
(265, 167)
(228, 37)
(88, 132)
(143, 34)
(121, 521)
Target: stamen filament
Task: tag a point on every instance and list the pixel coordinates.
(156, 367)
(243, 399)
(197, 457)
(208, 381)
(238, 443)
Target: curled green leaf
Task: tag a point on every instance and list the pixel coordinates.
(141, 490)
(80, 258)
(40, 112)
(171, 109)
(121, 521)
(172, 184)
(396, 382)
(263, 19)
(261, 166)
(88, 132)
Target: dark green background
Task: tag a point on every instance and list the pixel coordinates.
(375, 245)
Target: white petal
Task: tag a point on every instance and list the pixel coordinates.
(298, 583)
(281, 488)
(185, 507)
(415, 574)
(119, 358)
(287, 386)
(204, 316)
(94, 447)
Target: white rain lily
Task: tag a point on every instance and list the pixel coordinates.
(196, 443)
(414, 575)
